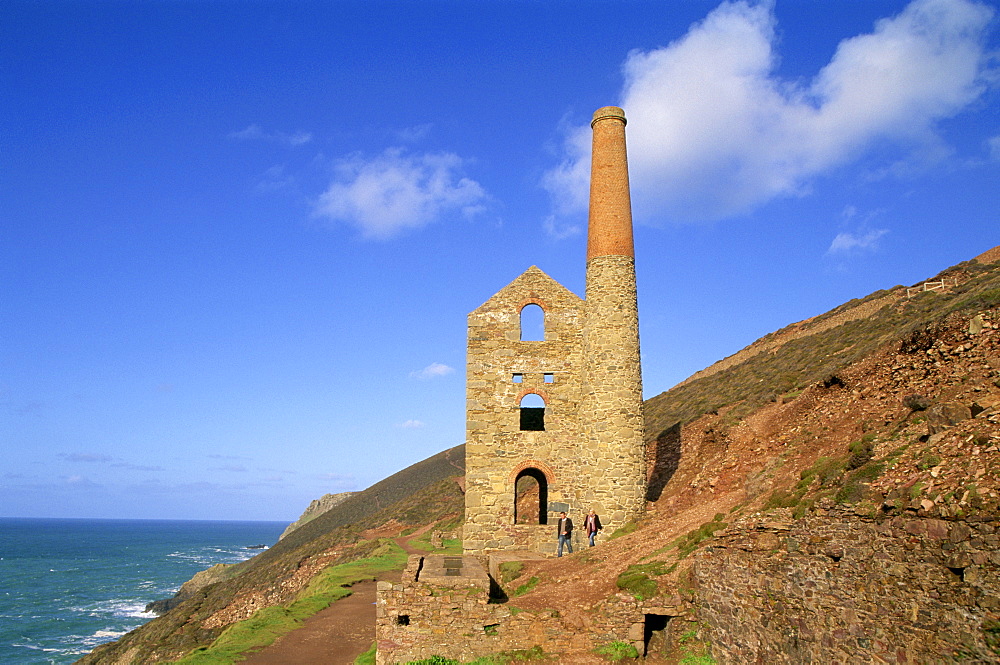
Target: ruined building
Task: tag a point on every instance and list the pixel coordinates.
(554, 415)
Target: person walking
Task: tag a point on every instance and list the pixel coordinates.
(564, 533)
(593, 525)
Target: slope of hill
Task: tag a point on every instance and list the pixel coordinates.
(425, 493)
(829, 494)
(831, 500)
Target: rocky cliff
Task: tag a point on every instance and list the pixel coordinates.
(316, 508)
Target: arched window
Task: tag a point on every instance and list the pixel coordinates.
(531, 497)
(532, 323)
(532, 413)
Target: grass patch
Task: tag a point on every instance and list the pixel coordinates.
(694, 650)
(526, 587)
(690, 541)
(928, 462)
(269, 623)
(510, 571)
(368, 657)
(624, 530)
(637, 581)
(617, 650)
(448, 545)
(853, 489)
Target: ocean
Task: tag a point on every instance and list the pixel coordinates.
(67, 585)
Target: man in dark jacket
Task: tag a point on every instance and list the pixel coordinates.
(564, 532)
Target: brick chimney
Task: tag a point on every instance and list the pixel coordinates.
(612, 399)
(609, 230)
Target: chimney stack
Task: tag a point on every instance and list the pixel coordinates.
(612, 400)
(609, 230)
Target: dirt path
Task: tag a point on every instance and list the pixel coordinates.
(334, 636)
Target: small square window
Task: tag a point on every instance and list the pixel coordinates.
(550, 378)
(518, 378)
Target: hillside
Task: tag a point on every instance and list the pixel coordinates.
(830, 499)
(425, 493)
(828, 493)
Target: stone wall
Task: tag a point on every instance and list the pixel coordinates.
(496, 448)
(842, 587)
(433, 613)
(614, 457)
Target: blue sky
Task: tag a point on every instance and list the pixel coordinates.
(238, 241)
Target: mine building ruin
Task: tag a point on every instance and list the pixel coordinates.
(554, 388)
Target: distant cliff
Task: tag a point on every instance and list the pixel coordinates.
(315, 509)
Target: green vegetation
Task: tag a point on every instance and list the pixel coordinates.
(624, 530)
(928, 462)
(368, 657)
(861, 451)
(991, 634)
(499, 658)
(637, 581)
(694, 651)
(269, 623)
(617, 650)
(853, 489)
(690, 541)
(510, 571)
(526, 587)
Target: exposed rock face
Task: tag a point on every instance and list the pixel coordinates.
(315, 509)
(201, 579)
(838, 584)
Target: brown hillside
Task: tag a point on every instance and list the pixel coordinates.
(884, 428)
(832, 499)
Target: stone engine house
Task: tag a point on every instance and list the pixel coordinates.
(554, 389)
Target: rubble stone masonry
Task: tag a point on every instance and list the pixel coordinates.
(590, 452)
(497, 450)
(844, 587)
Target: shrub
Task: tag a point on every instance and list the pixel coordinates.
(617, 650)
(861, 452)
(636, 579)
(854, 485)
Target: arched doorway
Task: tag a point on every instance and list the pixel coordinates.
(531, 497)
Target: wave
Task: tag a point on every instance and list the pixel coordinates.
(211, 556)
(116, 607)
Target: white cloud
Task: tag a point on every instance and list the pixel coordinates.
(411, 424)
(255, 133)
(554, 228)
(713, 132)
(397, 191)
(861, 241)
(414, 134)
(994, 148)
(80, 481)
(432, 371)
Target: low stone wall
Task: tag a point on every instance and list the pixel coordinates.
(841, 587)
(434, 612)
